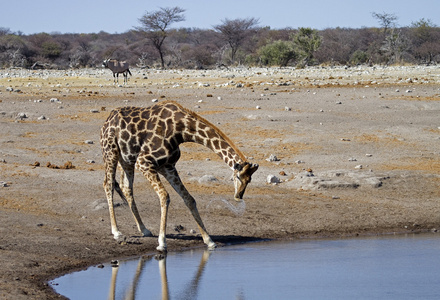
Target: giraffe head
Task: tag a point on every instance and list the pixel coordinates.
(242, 176)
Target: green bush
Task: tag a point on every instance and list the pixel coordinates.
(359, 57)
(278, 53)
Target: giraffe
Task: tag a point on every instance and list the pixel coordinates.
(148, 139)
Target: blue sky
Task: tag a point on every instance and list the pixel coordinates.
(87, 16)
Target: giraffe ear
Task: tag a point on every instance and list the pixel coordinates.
(238, 167)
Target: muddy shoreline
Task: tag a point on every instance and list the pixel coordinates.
(356, 148)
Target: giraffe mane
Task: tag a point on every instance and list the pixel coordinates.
(224, 136)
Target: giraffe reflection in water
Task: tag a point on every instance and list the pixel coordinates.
(190, 291)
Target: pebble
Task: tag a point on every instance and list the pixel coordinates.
(272, 179)
(42, 118)
(258, 107)
(358, 167)
(287, 108)
(207, 178)
(154, 100)
(3, 184)
(273, 157)
(89, 142)
(94, 111)
(55, 100)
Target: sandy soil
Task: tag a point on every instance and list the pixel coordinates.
(357, 153)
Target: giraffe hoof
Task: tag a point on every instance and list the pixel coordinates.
(212, 246)
(146, 233)
(118, 235)
(162, 248)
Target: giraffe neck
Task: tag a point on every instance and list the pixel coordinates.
(210, 136)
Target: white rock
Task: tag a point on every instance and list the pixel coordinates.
(154, 100)
(273, 157)
(272, 179)
(207, 179)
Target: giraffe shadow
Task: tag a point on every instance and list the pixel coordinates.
(219, 239)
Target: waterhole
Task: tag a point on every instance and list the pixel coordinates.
(386, 267)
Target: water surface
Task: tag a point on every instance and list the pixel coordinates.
(391, 267)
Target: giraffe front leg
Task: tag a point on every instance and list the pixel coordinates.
(175, 181)
(151, 174)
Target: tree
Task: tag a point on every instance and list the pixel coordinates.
(385, 20)
(307, 41)
(425, 39)
(155, 25)
(235, 32)
(278, 53)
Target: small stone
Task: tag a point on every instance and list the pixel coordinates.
(3, 184)
(272, 179)
(154, 100)
(90, 161)
(287, 108)
(94, 111)
(358, 167)
(352, 159)
(282, 173)
(89, 142)
(368, 155)
(219, 98)
(54, 100)
(9, 89)
(258, 107)
(192, 231)
(42, 118)
(21, 116)
(299, 162)
(273, 157)
(207, 179)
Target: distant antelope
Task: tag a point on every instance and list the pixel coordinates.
(117, 67)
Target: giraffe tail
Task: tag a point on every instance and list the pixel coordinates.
(119, 191)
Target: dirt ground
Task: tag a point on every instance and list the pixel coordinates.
(357, 152)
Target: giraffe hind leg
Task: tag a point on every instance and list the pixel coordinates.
(109, 185)
(126, 193)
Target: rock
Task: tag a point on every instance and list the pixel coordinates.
(273, 157)
(21, 116)
(272, 179)
(287, 108)
(207, 179)
(154, 100)
(54, 100)
(358, 167)
(94, 111)
(42, 118)
(88, 142)
(258, 107)
(3, 184)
